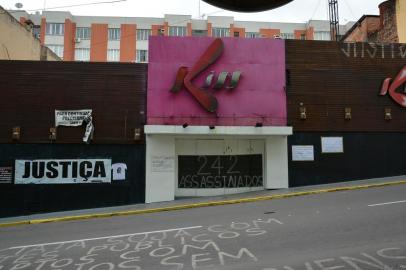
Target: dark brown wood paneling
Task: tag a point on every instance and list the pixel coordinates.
(32, 91)
(326, 77)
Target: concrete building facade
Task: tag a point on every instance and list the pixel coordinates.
(17, 41)
(125, 39)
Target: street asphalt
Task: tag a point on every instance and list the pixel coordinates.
(356, 229)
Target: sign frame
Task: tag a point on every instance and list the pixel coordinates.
(303, 153)
(202, 172)
(329, 147)
(6, 172)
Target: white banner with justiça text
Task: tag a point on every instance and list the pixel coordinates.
(62, 171)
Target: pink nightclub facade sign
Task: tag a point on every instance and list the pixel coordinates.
(207, 81)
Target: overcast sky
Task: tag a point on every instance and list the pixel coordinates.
(297, 11)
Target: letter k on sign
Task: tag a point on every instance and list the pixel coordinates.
(185, 76)
(393, 87)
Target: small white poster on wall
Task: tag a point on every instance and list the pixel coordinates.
(119, 171)
(162, 164)
(332, 145)
(302, 153)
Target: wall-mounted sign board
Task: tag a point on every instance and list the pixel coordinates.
(211, 171)
(6, 175)
(63, 171)
(302, 153)
(240, 88)
(162, 164)
(332, 145)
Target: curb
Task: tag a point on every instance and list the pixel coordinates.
(198, 205)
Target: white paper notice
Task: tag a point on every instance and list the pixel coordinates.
(302, 153)
(332, 145)
(162, 164)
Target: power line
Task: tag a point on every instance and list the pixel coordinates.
(349, 8)
(315, 10)
(69, 6)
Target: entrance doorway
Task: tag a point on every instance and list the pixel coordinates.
(210, 167)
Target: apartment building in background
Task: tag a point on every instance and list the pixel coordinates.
(125, 39)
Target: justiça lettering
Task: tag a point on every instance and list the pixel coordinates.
(64, 169)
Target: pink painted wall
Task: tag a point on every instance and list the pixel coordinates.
(259, 97)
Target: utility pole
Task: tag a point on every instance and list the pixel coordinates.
(334, 20)
(200, 14)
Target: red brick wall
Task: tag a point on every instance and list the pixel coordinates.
(209, 29)
(366, 31)
(240, 31)
(269, 33)
(43, 30)
(299, 34)
(98, 43)
(388, 32)
(127, 42)
(69, 41)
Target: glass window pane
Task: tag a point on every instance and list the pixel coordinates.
(55, 29)
(141, 56)
(177, 31)
(322, 35)
(143, 34)
(287, 35)
(251, 35)
(82, 54)
(83, 32)
(113, 55)
(114, 33)
(221, 32)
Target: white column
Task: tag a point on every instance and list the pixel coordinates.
(160, 182)
(276, 167)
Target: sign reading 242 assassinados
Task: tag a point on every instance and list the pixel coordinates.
(63, 171)
(220, 171)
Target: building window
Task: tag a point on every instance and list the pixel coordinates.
(36, 31)
(82, 54)
(177, 31)
(287, 35)
(55, 29)
(114, 33)
(113, 55)
(57, 49)
(199, 33)
(236, 34)
(142, 56)
(221, 32)
(83, 32)
(251, 35)
(143, 34)
(303, 36)
(322, 35)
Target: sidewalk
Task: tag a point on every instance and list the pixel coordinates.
(186, 203)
